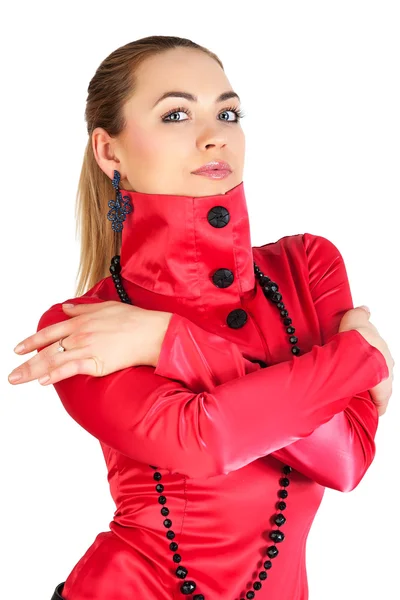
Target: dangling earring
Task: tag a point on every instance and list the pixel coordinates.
(119, 208)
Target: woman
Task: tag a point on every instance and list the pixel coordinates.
(217, 465)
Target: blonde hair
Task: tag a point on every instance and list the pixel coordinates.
(110, 87)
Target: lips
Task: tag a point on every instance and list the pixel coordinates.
(215, 165)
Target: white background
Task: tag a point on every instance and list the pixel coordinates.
(319, 83)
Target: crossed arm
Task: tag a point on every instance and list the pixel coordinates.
(195, 415)
(337, 453)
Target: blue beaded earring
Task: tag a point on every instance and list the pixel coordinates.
(120, 207)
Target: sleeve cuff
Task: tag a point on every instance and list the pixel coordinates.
(371, 350)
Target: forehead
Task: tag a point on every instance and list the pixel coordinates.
(181, 69)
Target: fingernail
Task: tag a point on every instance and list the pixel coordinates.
(366, 308)
(44, 378)
(19, 348)
(14, 376)
(67, 305)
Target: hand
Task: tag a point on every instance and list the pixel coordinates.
(358, 319)
(99, 339)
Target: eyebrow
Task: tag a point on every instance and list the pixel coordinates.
(220, 98)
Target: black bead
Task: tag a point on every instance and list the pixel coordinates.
(281, 505)
(283, 493)
(162, 499)
(284, 482)
(223, 278)
(280, 519)
(159, 488)
(177, 558)
(287, 321)
(236, 318)
(157, 476)
(250, 594)
(198, 597)
(275, 297)
(277, 536)
(173, 546)
(115, 268)
(167, 523)
(116, 259)
(287, 469)
(295, 350)
(165, 511)
(293, 339)
(272, 551)
(257, 585)
(290, 329)
(218, 216)
(170, 534)
(188, 587)
(262, 364)
(267, 292)
(284, 313)
(264, 280)
(267, 565)
(181, 572)
(263, 575)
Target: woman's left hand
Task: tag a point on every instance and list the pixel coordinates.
(100, 338)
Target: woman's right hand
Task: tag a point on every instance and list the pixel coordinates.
(358, 319)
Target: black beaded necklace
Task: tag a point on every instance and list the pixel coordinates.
(218, 216)
(270, 289)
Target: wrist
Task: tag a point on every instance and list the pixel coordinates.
(164, 319)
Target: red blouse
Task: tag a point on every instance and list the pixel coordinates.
(217, 426)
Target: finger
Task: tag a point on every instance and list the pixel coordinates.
(354, 317)
(48, 335)
(44, 362)
(81, 366)
(86, 308)
(381, 394)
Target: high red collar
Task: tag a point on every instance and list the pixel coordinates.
(169, 246)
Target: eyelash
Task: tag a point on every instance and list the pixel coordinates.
(238, 112)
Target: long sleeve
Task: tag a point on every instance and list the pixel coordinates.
(159, 421)
(337, 453)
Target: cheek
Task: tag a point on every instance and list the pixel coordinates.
(152, 146)
(139, 145)
(161, 148)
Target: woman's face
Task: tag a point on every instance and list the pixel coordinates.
(157, 153)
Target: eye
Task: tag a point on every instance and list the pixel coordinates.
(173, 113)
(235, 110)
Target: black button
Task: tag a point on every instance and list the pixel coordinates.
(237, 318)
(223, 278)
(218, 216)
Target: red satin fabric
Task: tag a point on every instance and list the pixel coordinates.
(217, 426)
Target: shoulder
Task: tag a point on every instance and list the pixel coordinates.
(305, 247)
(55, 313)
